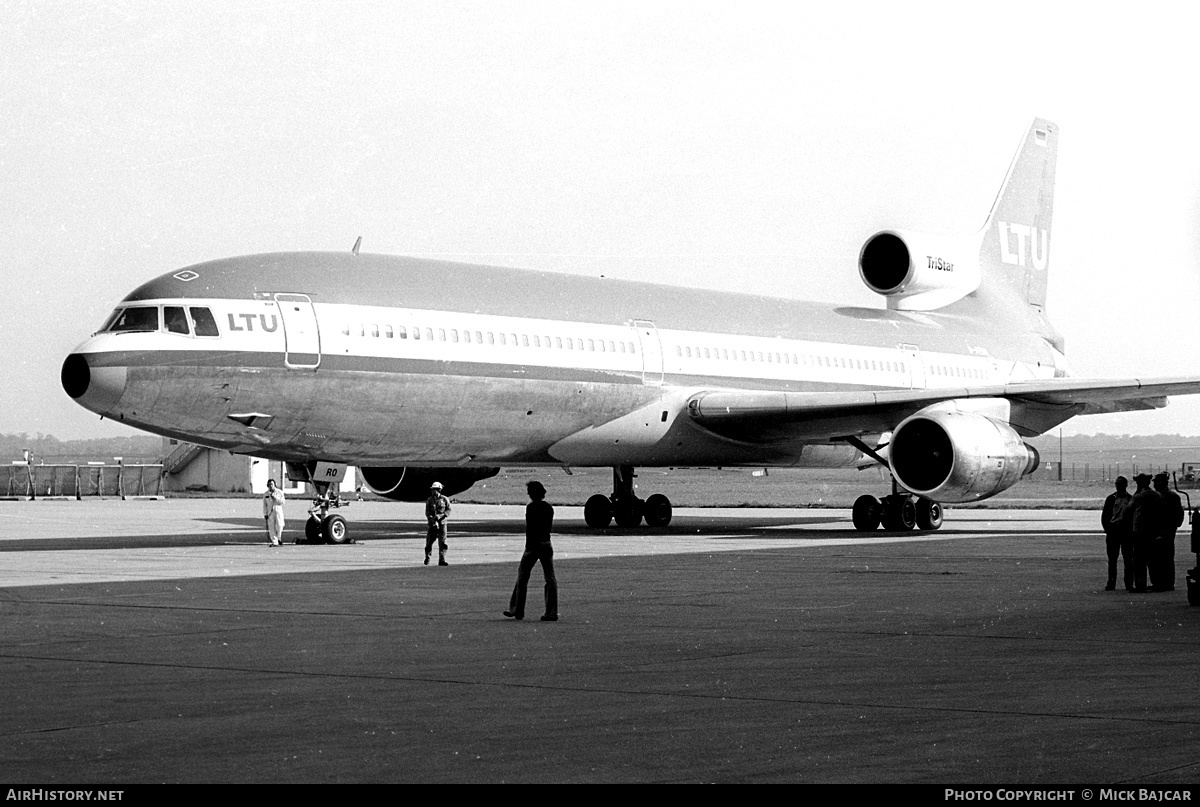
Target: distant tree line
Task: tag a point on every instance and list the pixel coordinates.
(1116, 442)
(46, 447)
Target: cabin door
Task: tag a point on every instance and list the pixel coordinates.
(916, 368)
(652, 359)
(302, 340)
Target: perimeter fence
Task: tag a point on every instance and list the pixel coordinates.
(1102, 472)
(25, 481)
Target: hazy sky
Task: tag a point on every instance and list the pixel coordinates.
(739, 145)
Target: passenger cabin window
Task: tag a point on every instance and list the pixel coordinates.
(204, 322)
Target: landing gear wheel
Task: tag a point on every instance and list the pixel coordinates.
(899, 513)
(628, 512)
(929, 514)
(866, 513)
(598, 512)
(334, 530)
(312, 531)
(657, 511)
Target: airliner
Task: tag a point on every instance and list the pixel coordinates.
(419, 370)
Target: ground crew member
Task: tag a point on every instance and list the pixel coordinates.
(1146, 516)
(539, 522)
(273, 513)
(437, 508)
(1162, 556)
(1116, 521)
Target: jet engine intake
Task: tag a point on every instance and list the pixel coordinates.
(919, 273)
(412, 484)
(958, 457)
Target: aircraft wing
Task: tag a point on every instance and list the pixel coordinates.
(764, 416)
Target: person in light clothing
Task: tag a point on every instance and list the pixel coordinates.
(273, 513)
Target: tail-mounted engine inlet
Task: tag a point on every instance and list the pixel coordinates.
(917, 272)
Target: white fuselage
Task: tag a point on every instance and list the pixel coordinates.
(596, 372)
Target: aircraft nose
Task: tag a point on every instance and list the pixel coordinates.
(96, 388)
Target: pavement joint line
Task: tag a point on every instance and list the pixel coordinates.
(634, 692)
(1150, 775)
(55, 729)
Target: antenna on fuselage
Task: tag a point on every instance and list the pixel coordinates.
(357, 244)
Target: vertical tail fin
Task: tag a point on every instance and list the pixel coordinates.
(1015, 249)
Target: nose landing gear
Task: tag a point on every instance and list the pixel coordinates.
(322, 526)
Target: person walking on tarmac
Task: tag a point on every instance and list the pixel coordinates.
(437, 509)
(273, 513)
(1146, 516)
(1115, 519)
(539, 522)
(1162, 556)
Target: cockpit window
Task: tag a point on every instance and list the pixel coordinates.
(206, 325)
(108, 323)
(175, 320)
(135, 320)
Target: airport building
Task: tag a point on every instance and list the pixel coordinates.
(193, 468)
(179, 468)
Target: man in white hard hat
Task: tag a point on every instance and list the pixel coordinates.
(437, 508)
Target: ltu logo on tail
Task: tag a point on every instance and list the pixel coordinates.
(1027, 244)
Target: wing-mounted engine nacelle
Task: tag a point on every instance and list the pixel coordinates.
(954, 457)
(412, 484)
(917, 272)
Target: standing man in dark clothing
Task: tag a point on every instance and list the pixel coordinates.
(1116, 520)
(1147, 510)
(1162, 556)
(437, 510)
(539, 522)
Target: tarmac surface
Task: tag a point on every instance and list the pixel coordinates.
(163, 641)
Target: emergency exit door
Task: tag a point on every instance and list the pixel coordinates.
(302, 339)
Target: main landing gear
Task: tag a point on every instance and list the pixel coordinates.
(323, 527)
(624, 506)
(899, 512)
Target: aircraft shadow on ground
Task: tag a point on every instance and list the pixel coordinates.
(250, 532)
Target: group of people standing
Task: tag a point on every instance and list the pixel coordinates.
(539, 523)
(1141, 527)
